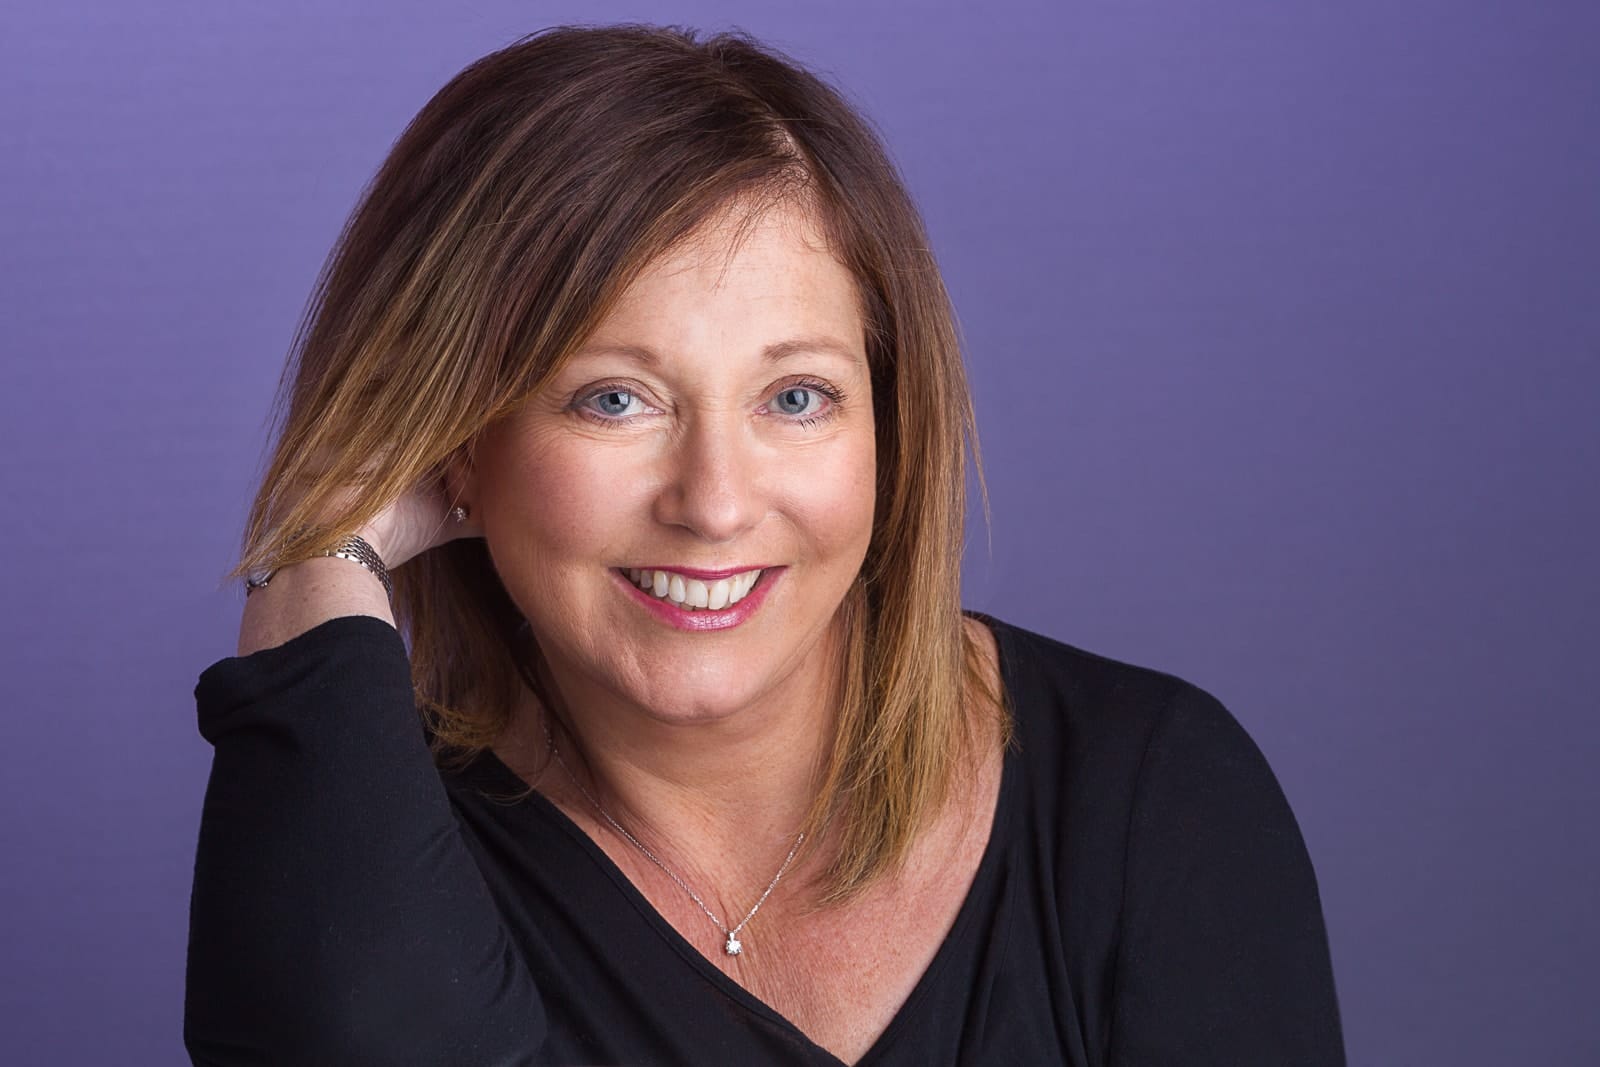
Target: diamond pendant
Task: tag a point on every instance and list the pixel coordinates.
(734, 946)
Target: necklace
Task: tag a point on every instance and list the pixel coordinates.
(732, 946)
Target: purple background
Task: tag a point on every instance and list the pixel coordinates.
(1285, 334)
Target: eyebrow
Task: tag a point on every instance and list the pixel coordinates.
(773, 353)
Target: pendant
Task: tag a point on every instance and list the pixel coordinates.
(734, 946)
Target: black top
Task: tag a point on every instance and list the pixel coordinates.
(1145, 896)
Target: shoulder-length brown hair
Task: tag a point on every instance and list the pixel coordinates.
(512, 212)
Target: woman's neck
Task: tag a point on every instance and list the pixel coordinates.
(723, 797)
(709, 788)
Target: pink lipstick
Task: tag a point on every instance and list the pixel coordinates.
(702, 619)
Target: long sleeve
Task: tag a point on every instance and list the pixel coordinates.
(337, 916)
(1223, 954)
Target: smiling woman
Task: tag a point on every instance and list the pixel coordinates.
(635, 368)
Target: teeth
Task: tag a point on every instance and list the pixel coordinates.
(693, 594)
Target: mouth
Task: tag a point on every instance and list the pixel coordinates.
(695, 590)
(688, 602)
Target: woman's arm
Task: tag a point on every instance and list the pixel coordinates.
(1223, 957)
(336, 916)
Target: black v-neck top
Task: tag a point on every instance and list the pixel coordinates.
(1145, 896)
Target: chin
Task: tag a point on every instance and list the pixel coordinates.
(698, 704)
(691, 713)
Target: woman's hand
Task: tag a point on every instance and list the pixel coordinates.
(306, 594)
(417, 521)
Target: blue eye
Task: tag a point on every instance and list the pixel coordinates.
(795, 400)
(621, 398)
(805, 403)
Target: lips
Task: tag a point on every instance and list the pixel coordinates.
(699, 620)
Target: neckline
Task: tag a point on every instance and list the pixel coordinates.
(495, 772)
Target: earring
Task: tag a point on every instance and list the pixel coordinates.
(459, 514)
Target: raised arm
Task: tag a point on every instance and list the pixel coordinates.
(1224, 954)
(337, 917)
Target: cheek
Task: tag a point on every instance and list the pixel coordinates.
(831, 495)
(567, 497)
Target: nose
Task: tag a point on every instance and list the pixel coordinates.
(712, 485)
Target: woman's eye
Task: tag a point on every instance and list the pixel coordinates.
(797, 401)
(805, 404)
(613, 402)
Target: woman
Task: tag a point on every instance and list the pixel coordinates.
(634, 367)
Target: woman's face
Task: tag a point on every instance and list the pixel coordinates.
(718, 423)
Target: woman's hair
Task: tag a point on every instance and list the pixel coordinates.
(513, 211)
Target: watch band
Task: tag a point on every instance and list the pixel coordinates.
(352, 548)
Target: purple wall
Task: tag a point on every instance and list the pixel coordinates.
(1285, 333)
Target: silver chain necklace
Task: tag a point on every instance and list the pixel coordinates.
(732, 946)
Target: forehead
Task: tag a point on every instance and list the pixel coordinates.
(762, 282)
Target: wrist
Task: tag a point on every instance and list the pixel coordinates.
(306, 594)
(355, 549)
